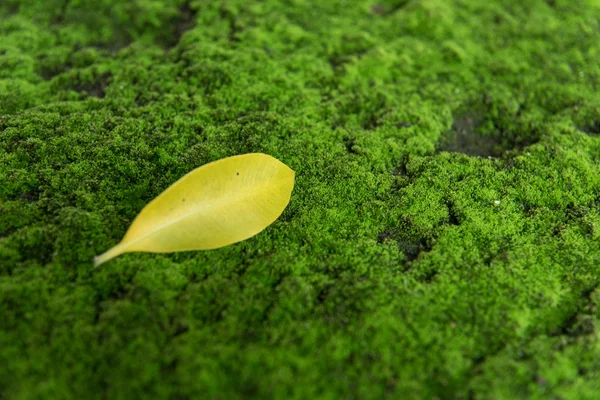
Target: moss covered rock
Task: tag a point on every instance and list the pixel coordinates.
(443, 237)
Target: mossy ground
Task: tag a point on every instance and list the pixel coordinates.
(442, 241)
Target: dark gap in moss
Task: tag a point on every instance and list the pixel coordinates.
(11, 8)
(170, 366)
(180, 329)
(463, 138)
(501, 255)
(563, 223)
(428, 276)
(6, 270)
(576, 217)
(581, 321)
(249, 389)
(242, 267)
(453, 218)
(289, 213)
(400, 183)
(329, 287)
(581, 371)
(120, 41)
(592, 128)
(30, 196)
(337, 61)
(371, 114)
(122, 291)
(378, 9)
(403, 124)
(410, 244)
(35, 244)
(401, 170)
(95, 89)
(580, 325)
(529, 209)
(8, 232)
(412, 248)
(48, 70)
(388, 7)
(213, 312)
(350, 144)
(372, 122)
(385, 235)
(488, 258)
(324, 293)
(403, 177)
(47, 73)
(573, 212)
(185, 21)
(234, 28)
(488, 130)
(508, 164)
(59, 18)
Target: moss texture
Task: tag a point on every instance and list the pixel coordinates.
(442, 241)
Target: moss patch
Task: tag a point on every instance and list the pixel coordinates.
(442, 240)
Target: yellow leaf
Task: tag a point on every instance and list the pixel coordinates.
(215, 205)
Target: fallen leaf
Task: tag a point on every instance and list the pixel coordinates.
(217, 204)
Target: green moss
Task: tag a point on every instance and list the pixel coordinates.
(442, 237)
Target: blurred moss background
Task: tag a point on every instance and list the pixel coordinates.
(442, 241)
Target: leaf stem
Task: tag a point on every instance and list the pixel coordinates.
(109, 254)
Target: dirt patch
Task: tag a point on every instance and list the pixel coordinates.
(9, 9)
(592, 128)
(185, 21)
(464, 138)
(94, 89)
(409, 244)
(488, 131)
(384, 8)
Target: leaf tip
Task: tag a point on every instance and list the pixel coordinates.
(109, 254)
(97, 261)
